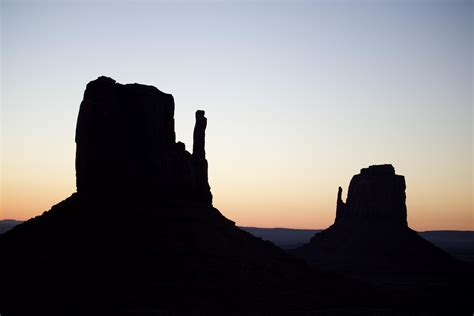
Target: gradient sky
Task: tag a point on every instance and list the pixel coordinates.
(299, 96)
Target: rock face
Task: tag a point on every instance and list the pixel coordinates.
(370, 236)
(140, 233)
(377, 193)
(202, 189)
(126, 143)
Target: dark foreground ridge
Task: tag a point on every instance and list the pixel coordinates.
(141, 234)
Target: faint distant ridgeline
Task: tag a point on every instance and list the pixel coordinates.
(7, 224)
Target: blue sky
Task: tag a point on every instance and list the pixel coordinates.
(299, 96)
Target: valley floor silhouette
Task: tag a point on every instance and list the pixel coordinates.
(141, 234)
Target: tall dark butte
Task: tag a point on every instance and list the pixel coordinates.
(126, 144)
(377, 194)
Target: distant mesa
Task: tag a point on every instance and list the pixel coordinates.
(376, 194)
(370, 235)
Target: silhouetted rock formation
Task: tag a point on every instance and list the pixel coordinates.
(199, 158)
(141, 234)
(377, 193)
(126, 144)
(371, 241)
(370, 236)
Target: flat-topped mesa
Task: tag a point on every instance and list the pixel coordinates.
(377, 193)
(126, 143)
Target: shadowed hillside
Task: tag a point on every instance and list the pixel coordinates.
(459, 244)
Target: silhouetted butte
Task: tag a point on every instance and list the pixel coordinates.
(370, 238)
(141, 234)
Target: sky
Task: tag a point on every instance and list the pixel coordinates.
(299, 96)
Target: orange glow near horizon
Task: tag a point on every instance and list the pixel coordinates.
(291, 207)
(429, 217)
